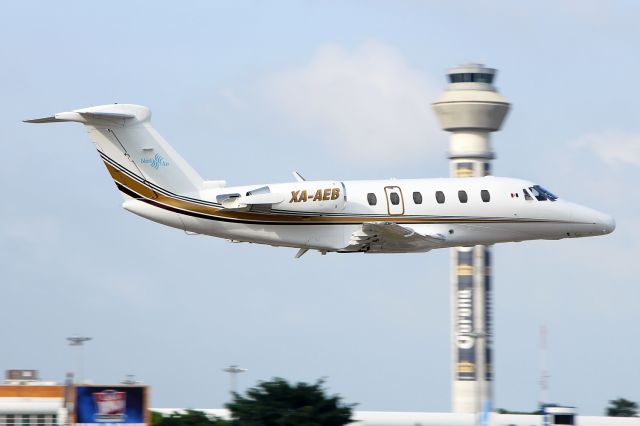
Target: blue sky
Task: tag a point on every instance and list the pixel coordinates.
(248, 92)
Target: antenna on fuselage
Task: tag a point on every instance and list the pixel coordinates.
(298, 176)
(301, 253)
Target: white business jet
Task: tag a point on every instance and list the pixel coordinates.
(374, 216)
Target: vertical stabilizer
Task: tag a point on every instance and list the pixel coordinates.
(126, 140)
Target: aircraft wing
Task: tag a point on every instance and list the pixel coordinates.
(389, 237)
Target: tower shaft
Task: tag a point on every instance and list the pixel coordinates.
(471, 299)
(471, 108)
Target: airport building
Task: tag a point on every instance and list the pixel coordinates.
(562, 416)
(25, 400)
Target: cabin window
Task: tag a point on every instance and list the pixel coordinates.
(417, 198)
(484, 194)
(527, 196)
(395, 198)
(440, 197)
(563, 419)
(462, 196)
(372, 199)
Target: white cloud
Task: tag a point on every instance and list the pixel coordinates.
(367, 102)
(614, 147)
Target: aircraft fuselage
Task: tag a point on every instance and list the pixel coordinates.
(324, 215)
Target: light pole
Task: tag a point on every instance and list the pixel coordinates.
(130, 379)
(233, 371)
(78, 341)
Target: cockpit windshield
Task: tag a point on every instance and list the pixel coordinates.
(542, 194)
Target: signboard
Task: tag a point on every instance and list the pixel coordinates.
(465, 343)
(488, 326)
(100, 405)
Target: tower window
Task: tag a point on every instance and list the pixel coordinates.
(465, 257)
(464, 169)
(395, 198)
(417, 198)
(484, 194)
(372, 199)
(462, 196)
(471, 77)
(440, 197)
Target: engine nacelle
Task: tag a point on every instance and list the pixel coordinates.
(311, 196)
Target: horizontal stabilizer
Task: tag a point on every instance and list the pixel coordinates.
(81, 116)
(51, 119)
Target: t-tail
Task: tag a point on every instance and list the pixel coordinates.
(139, 160)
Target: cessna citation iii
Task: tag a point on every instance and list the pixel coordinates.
(374, 216)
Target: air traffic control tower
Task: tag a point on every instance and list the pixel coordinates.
(471, 108)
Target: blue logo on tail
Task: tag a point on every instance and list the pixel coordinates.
(156, 162)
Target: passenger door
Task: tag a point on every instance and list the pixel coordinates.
(395, 201)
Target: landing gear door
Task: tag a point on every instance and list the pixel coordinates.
(395, 201)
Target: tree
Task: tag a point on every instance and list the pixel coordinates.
(186, 418)
(622, 408)
(278, 403)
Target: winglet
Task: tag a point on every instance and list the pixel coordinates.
(298, 176)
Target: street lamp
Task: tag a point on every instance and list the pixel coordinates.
(78, 341)
(130, 379)
(233, 371)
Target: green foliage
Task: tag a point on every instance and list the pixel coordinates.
(156, 418)
(278, 403)
(622, 408)
(186, 418)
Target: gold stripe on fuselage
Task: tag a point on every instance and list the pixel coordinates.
(147, 192)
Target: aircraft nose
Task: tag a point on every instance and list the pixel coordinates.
(592, 222)
(608, 224)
